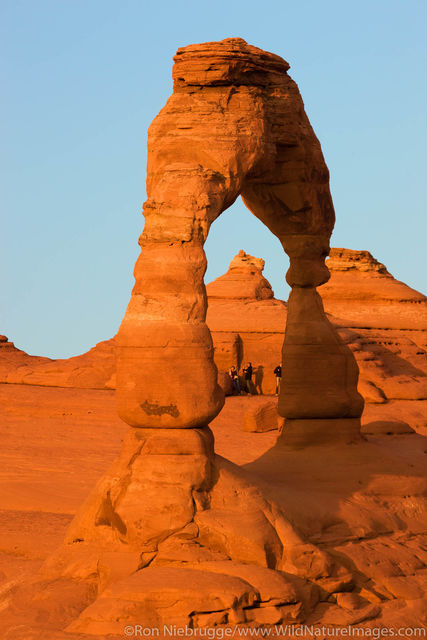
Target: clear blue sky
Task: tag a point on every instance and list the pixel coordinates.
(82, 80)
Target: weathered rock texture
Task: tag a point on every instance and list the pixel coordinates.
(243, 281)
(362, 503)
(235, 125)
(363, 294)
(384, 322)
(262, 416)
(173, 533)
(13, 359)
(392, 362)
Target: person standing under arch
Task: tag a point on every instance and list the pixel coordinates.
(247, 374)
(234, 376)
(278, 373)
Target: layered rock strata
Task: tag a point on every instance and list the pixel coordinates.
(384, 322)
(169, 511)
(234, 125)
(392, 362)
(362, 294)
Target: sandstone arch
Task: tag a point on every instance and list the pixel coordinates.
(169, 511)
(234, 125)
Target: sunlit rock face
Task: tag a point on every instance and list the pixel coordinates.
(234, 125)
(362, 293)
(173, 533)
(243, 281)
(384, 322)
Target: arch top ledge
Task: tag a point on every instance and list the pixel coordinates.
(226, 62)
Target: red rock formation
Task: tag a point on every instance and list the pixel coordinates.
(361, 502)
(392, 362)
(169, 513)
(92, 370)
(244, 318)
(363, 294)
(385, 326)
(235, 124)
(12, 359)
(243, 281)
(262, 416)
(247, 324)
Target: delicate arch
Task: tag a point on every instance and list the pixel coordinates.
(235, 124)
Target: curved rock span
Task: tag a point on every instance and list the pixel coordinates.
(173, 533)
(234, 125)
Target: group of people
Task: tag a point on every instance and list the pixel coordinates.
(247, 386)
(243, 384)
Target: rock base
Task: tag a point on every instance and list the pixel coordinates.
(302, 433)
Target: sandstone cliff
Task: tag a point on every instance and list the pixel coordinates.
(363, 294)
(384, 322)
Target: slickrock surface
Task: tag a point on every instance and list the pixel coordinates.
(350, 499)
(173, 533)
(92, 370)
(386, 328)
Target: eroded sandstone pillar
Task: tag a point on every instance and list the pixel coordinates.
(318, 396)
(201, 146)
(166, 376)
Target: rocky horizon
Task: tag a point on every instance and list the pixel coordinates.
(382, 319)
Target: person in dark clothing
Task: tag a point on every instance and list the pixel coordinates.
(247, 374)
(278, 374)
(234, 376)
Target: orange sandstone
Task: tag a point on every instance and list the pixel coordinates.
(234, 125)
(173, 533)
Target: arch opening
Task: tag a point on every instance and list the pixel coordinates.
(245, 313)
(214, 140)
(237, 228)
